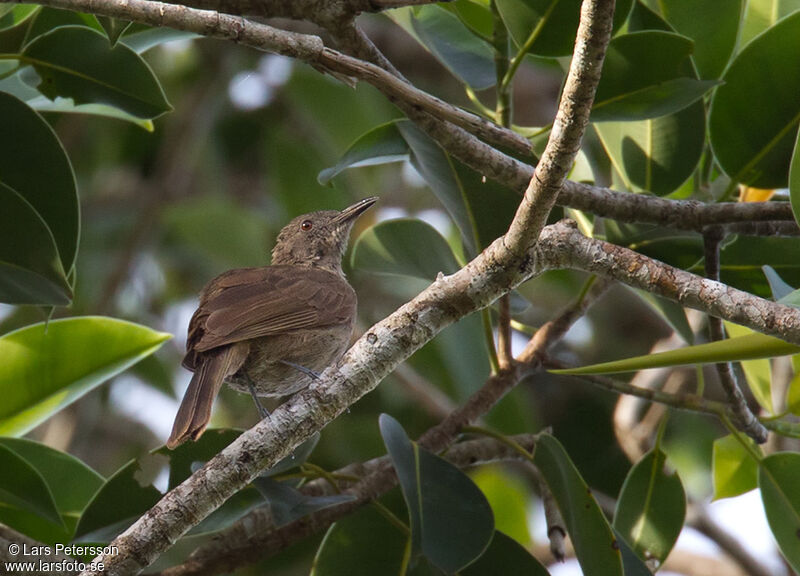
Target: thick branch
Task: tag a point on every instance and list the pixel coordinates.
(688, 289)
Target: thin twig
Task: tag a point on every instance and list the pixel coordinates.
(743, 416)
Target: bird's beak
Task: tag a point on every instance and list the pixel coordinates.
(350, 213)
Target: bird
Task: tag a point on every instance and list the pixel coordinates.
(271, 330)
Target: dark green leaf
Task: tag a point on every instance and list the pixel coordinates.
(631, 563)
(14, 27)
(184, 459)
(113, 27)
(71, 483)
(48, 19)
(380, 145)
(30, 269)
(288, 504)
(672, 312)
(46, 367)
(23, 488)
(33, 164)
(753, 144)
(656, 155)
(235, 508)
(78, 63)
(295, 459)
(362, 544)
(651, 508)
(465, 55)
(780, 492)
(120, 501)
(646, 75)
(595, 545)
(557, 34)
(794, 179)
(474, 15)
(743, 258)
(451, 521)
(481, 209)
(505, 556)
(405, 247)
(733, 468)
(713, 25)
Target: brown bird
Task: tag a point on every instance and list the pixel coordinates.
(270, 330)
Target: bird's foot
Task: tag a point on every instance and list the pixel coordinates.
(307, 371)
(263, 412)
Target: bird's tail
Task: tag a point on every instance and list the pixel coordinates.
(195, 410)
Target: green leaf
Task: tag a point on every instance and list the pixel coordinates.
(753, 144)
(656, 155)
(560, 25)
(762, 14)
(508, 496)
(288, 504)
(505, 556)
(672, 313)
(67, 106)
(451, 521)
(596, 547)
(141, 38)
(481, 209)
(362, 544)
(30, 269)
(463, 192)
(731, 350)
(405, 247)
(33, 164)
(743, 258)
(117, 505)
(758, 372)
(380, 145)
(632, 564)
(466, 56)
(114, 28)
(733, 468)
(651, 508)
(780, 492)
(185, 457)
(76, 62)
(645, 75)
(794, 179)
(71, 483)
(23, 488)
(713, 25)
(45, 366)
(14, 26)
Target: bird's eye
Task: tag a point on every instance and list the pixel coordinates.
(307, 225)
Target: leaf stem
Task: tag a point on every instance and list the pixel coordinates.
(526, 47)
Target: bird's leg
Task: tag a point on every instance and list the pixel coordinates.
(263, 412)
(307, 371)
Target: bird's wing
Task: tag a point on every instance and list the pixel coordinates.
(254, 302)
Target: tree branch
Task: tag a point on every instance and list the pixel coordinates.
(743, 416)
